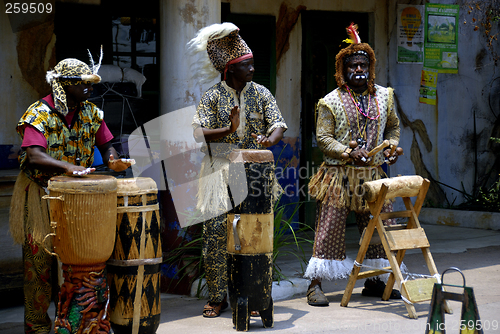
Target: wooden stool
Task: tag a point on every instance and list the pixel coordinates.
(396, 239)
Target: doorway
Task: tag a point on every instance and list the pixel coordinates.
(322, 36)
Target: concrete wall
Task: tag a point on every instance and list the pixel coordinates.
(180, 22)
(439, 140)
(18, 83)
(26, 52)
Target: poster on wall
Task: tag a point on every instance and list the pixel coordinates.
(441, 37)
(428, 84)
(411, 34)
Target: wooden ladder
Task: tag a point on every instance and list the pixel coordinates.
(396, 239)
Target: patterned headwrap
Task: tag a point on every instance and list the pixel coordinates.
(223, 45)
(69, 72)
(355, 49)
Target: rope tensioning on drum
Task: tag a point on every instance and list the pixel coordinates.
(408, 275)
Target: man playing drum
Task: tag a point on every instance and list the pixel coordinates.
(59, 133)
(234, 111)
(363, 112)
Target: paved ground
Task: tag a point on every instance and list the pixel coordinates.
(476, 252)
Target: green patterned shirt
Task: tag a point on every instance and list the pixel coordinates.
(63, 143)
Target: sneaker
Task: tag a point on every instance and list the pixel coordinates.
(374, 287)
(316, 297)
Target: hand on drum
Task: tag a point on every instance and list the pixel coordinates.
(78, 170)
(119, 165)
(263, 140)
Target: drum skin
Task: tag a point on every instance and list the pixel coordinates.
(134, 267)
(84, 216)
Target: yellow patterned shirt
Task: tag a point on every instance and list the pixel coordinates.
(63, 143)
(259, 114)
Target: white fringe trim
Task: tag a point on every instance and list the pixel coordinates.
(328, 269)
(212, 195)
(381, 263)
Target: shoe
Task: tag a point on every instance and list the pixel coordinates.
(374, 287)
(316, 297)
(213, 310)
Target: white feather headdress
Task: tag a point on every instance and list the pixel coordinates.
(203, 68)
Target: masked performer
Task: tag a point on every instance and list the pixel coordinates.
(358, 110)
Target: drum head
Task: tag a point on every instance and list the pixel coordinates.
(251, 156)
(136, 186)
(98, 184)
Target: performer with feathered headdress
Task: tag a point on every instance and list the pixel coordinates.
(234, 113)
(59, 133)
(363, 112)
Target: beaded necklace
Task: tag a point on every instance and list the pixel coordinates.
(362, 134)
(357, 104)
(362, 141)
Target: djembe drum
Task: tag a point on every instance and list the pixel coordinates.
(83, 215)
(250, 238)
(134, 267)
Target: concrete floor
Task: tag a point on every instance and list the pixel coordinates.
(475, 251)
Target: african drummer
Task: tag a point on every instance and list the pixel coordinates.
(59, 133)
(235, 112)
(363, 112)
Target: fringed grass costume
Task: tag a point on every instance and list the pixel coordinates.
(259, 114)
(344, 116)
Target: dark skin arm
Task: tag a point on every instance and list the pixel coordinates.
(234, 117)
(273, 139)
(108, 154)
(214, 134)
(37, 157)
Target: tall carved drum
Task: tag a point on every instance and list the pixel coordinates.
(250, 238)
(134, 267)
(83, 215)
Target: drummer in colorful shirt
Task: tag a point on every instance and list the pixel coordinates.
(234, 113)
(59, 134)
(363, 112)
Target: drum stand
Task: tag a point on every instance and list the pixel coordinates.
(83, 300)
(396, 239)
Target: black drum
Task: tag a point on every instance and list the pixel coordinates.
(250, 239)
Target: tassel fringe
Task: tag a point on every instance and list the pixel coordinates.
(328, 269)
(343, 185)
(382, 263)
(37, 221)
(212, 192)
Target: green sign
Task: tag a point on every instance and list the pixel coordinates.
(441, 37)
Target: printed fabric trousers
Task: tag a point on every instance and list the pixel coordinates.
(329, 241)
(39, 267)
(215, 257)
